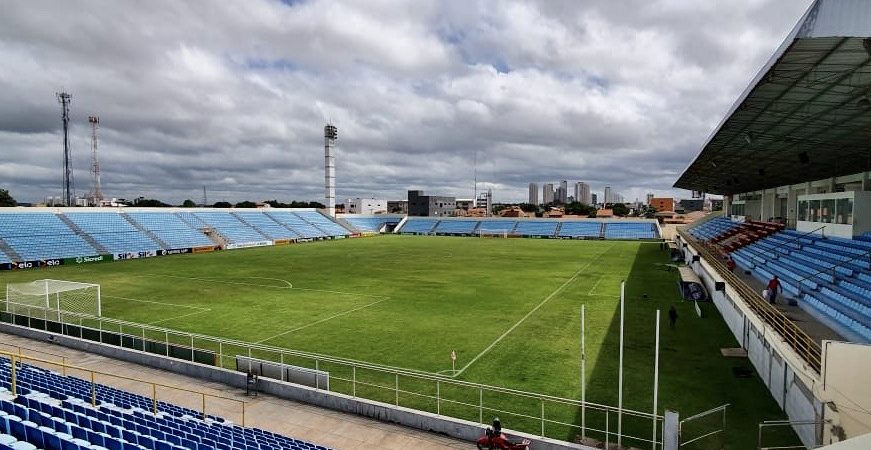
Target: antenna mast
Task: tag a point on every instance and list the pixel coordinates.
(64, 99)
(97, 192)
(205, 199)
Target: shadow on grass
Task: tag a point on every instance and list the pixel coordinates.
(693, 375)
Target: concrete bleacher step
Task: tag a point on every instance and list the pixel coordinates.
(324, 232)
(347, 225)
(87, 237)
(145, 231)
(9, 251)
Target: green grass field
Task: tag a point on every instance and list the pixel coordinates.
(509, 307)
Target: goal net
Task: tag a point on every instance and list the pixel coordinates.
(49, 299)
(493, 233)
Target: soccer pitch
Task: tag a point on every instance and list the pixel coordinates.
(509, 308)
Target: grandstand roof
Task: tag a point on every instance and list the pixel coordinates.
(805, 116)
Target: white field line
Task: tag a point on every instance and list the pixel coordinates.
(214, 280)
(592, 289)
(530, 313)
(159, 303)
(343, 313)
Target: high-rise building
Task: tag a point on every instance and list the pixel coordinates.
(649, 198)
(533, 193)
(582, 193)
(547, 193)
(609, 196)
(563, 192)
(594, 199)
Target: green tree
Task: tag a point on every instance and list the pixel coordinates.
(579, 209)
(149, 203)
(188, 204)
(222, 205)
(620, 209)
(246, 204)
(650, 212)
(528, 207)
(6, 199)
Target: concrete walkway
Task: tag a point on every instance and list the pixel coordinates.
(323, 427)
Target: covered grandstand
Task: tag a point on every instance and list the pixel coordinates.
(792, 159)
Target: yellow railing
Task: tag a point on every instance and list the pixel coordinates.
(19, 348)
(92, 374)
(807, 348)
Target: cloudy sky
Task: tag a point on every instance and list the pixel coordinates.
(234, 94)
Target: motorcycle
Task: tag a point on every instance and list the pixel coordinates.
(496, 439)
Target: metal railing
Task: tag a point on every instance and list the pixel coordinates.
(767, 424)
(529, 412)
(91, 376)
(807, 348)
(718, 429)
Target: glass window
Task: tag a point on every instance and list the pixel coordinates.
(827, 210)
(813, 211)
(802, 210)
(845, 211)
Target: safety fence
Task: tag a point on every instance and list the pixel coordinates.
(529, 412)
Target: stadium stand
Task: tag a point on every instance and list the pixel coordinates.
(629, 230)
(113, 232)
(3, 258)
(540, 228)
(266, 225)
(830, 277)
(418, 226)
(321, 222)
(42, 236)
(588, 229)
(302, 228)
(230, 227)
(456, 227)
(170, 229)
(54, 412)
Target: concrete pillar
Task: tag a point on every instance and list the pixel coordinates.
(727, 205)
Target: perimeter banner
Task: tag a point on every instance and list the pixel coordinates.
(88, 259)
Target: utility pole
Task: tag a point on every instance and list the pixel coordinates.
(64, 99)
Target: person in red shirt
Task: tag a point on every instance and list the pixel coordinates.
(730, 264)
(773, 287)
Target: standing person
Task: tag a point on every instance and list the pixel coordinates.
(730, 264)
(672, 317)
(773, 287)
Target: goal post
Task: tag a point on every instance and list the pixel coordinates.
(492, 233)
(52, 298)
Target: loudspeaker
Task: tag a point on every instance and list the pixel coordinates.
(803, 158)
(719, 286)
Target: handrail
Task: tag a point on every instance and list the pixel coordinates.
(13, 356)
(840, 264)
(808, 349)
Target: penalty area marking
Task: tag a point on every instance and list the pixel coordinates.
(531, 312)
(343, 313)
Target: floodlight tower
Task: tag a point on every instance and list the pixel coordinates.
(96, 193)
(331, 134)
(64, 99)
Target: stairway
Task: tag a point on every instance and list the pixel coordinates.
(9, 251)
(261, 233)
(87, 237)
(146, 232)
(559, 225)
